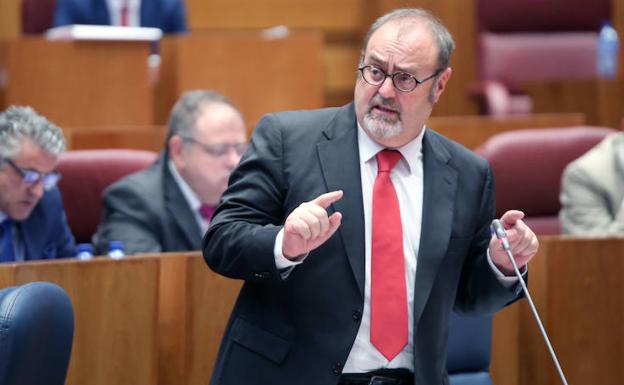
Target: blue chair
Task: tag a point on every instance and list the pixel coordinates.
(36, 332)
(469, 346)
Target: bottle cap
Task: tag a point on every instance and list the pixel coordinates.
(115, 245)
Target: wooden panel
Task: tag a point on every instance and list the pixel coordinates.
(81, 83)
(331, 15)
(472, 131)
(259, 75)
(10, 19)
(504, 365)
(195, 305)
(7, 275)
(602, 102)
(115, 306)
(211, 298)
(151, 138)
(576, 286)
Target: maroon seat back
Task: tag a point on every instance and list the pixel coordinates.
(524, 41)
(86, 173)
(37, 15)
(527, 167)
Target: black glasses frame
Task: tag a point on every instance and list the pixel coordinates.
(32, 177)
(394, 75)
(217, 150)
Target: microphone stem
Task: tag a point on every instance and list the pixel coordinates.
(536, 315)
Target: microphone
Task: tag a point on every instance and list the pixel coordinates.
(498, 229)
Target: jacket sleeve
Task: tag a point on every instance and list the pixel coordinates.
(239, 243)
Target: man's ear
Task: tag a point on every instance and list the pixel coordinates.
(443, 78)
(174, 146)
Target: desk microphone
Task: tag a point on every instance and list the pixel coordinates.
(498, 229)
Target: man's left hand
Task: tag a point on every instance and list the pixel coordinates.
(522, 242)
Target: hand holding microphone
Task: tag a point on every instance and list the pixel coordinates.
(520, 239)
(529, 248)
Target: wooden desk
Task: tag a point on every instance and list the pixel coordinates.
(576, 285)
(601, 101)
(87, 83)
(158, 319)
(142, 320)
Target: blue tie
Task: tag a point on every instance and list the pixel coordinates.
(6, 242)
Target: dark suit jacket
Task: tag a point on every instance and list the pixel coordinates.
(45, 233)
(148, 213)
(300, 330)
(168, 15)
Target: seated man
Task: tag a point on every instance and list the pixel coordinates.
(168, 206)
(168, 15)
(592, 190)
(32, 219)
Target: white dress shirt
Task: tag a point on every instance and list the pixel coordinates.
(190, 197)
(134, 12)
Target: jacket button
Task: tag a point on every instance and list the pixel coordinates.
(357, 315)
(337, 368)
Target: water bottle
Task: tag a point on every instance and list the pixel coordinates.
(116, 249)
(608, 52)
(84, 251)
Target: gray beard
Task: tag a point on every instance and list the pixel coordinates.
(380, 128)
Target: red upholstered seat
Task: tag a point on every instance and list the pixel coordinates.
(527, 167)
(524, 41)
(86, 173)
(37, 15)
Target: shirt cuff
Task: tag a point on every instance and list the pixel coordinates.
(281, 262)
(506, 281)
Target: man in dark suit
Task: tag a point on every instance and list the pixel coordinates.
(168, 15)
(32, 219)
(311, 223)
(168, 206)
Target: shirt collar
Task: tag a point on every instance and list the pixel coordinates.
(411, 152)
(190, 196)
(3, 217)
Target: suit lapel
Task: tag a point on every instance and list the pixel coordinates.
(179, 210)
(340, 165)
(440, 185)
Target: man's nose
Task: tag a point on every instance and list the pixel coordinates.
(386, 89)
(232, 157)
(37, 189)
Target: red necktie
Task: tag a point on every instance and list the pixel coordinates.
(388, 291)
(123, 20)
(206, 212)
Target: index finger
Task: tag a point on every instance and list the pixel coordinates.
(324, 200)
(509, 218)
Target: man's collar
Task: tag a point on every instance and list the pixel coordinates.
(411, 151)
(189, 194)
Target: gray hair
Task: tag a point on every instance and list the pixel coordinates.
(187, 110)
(18, 123)
(442, 36)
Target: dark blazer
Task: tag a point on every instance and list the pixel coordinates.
(300, 330)
(148, 213)
(168, 15)
(45, 233)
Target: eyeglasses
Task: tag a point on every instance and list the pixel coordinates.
(402, 81)
(220, 149)
(32, 177)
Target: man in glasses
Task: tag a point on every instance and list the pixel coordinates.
(168, 207)
(357, 230)
(32, 219)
